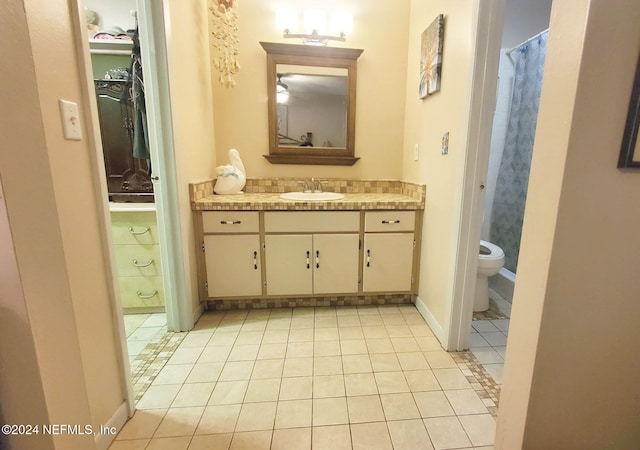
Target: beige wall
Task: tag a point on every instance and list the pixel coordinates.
(380, 28)
(192, 112)
(426, 121)
(49, 186)
(571, 374)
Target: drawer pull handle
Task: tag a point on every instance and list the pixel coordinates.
(308, 263)
(135, 233)
(317, 259)
(368, 258)
(255, 260)
(139, 264)
(145, 297)
(230, 222)
(390, 221)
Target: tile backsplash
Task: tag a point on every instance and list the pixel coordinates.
(204, 189)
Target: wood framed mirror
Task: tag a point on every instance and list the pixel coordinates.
(311, 104)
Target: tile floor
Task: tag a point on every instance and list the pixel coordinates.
(141, 329)
(488, 340)
(350, 377)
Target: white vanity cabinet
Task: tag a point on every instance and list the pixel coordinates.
(232, 256)
(312, 252)
(274, 254)
(389, 243)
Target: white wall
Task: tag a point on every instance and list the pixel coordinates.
(523, 19)
(571, 368)
(113, 12)
(192, 114)
(426, 121)
(380, 28)
(498, 136)
(55, 222)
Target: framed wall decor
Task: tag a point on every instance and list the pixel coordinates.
(630, 151)
(431, 57)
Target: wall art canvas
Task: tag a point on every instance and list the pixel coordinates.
(431, 57)
(630, 151)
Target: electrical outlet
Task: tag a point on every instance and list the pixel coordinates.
(445, 143)
(416, 152)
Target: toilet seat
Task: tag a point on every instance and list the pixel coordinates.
(495, 252)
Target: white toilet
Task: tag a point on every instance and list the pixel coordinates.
(490, 261)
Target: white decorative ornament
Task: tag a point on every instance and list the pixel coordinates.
(225, 41)
(231, 177)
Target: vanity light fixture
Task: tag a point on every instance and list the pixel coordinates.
(316, 32)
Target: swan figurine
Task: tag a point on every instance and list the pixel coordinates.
(231, 177)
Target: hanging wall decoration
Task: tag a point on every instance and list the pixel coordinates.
(431, 57)
(225, 41)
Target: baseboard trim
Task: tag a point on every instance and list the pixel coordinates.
(431, 320)
(198, 311)
(119, 418)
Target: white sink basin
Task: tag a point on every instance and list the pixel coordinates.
(311, 196)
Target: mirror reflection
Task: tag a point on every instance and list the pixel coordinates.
(311, 107)
(311, 104)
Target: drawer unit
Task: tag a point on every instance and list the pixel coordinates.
(134, 227)
(389, 221)
(138, 260)
(137, 254)
(141, 292)
(312, 221)
(230, 222)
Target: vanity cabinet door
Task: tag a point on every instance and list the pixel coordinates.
(335, 263)
(388, 262)
(289, 264)
(311, 264)
(233, 265)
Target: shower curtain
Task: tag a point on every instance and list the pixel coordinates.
(513, 175)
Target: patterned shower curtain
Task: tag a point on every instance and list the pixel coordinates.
(513, 175)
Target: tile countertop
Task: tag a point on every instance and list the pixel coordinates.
(273, 202)
(263, 194)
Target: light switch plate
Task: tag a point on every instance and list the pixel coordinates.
(70, 120)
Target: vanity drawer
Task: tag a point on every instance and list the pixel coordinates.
(138, 260)
(139, 292)
(134, 227)
(312, 221)
(230, 222)
(381, 221)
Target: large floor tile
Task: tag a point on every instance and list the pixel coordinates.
(371, 436)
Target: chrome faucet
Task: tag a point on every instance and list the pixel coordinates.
(312, 185)
(307, 186)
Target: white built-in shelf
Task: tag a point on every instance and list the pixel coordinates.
(110, 46)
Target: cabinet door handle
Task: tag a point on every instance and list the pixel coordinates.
(368, 258)
(146, 230)
(145, 297)
(255, 260)
(317, 259)
(138, 264)
(308, 255)
(390, 221)
(230, 222)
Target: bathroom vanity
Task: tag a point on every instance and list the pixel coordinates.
(259, 250)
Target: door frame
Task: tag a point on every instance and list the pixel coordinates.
(483, 91)
(179, 314)
(154, 45)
